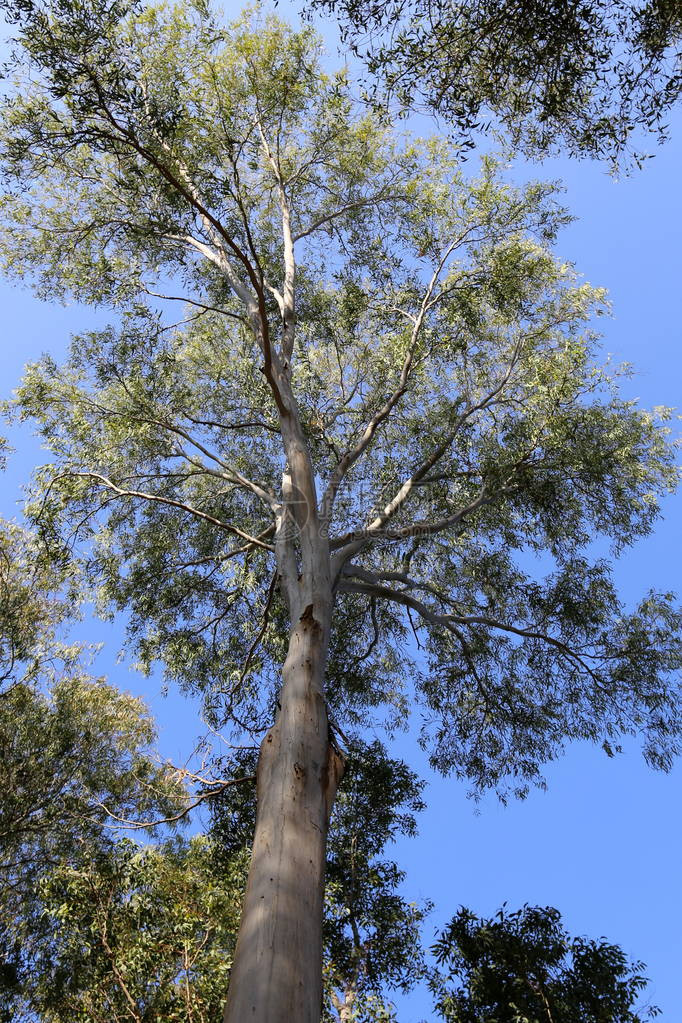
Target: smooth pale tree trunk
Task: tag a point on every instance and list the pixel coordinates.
(277, 970)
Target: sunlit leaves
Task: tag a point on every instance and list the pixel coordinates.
(134, 932)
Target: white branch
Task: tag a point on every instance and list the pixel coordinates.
(352, 543)
(287, 300)
(353, 454)
(376, 527)
(335, 214)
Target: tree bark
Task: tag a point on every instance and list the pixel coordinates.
(277, 970)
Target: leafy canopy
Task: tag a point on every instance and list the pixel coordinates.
(588, 77)
(35, 597)
(73, 749)
(435, 357)
(76, 757)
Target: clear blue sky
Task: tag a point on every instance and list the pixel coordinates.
(604, 843)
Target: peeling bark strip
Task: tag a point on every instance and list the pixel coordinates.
(277, 971)
(333, 774)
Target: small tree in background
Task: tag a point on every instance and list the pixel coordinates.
(524, 966)
(73, 750)
(132, 933)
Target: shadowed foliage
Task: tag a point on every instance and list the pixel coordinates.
(524, 965)
(589, 77)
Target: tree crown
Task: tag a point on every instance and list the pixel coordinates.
(523, 966)
(375, 353)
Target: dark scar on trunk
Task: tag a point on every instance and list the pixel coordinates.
(308, 618)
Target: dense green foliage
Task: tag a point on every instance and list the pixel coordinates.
(524, 967)
(584, 76)
(70, 759)
(73, 750)
(372, 932)
(34, 600)
(132, 933)
(76, 757)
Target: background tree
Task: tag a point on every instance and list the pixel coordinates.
(34, 598)
(319, 495)
(587, 77)
(74, 750)
(524, 965)
(372, 933)
(132, 933)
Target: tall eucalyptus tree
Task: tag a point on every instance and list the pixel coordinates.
(319, 493)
